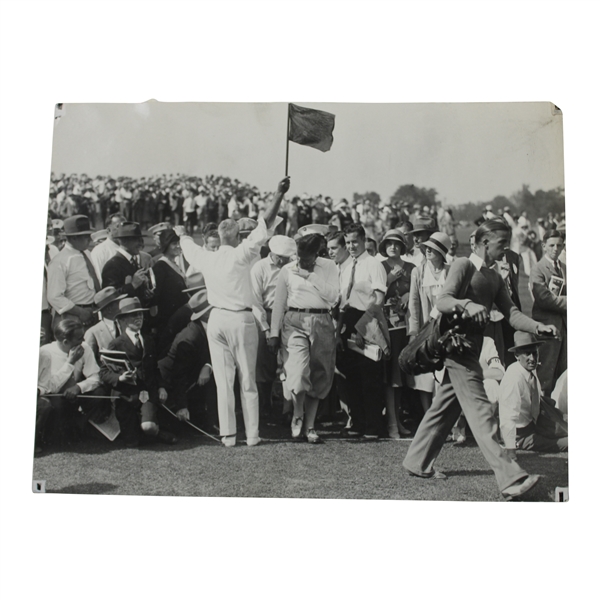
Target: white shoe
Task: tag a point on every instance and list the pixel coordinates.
(297, 423)
(228, 441)
(253, 441)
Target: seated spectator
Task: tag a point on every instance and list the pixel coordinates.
(67, 372)
(106, 330)
(141, 388)
(520, 398)
(187, 374)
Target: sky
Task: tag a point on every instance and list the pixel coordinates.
(467, 152)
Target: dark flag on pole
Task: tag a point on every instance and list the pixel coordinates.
(311, 127)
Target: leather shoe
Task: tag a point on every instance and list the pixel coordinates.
(297, 423)
(228, 441)
(253, 441)
(518, 489)
(312, 437)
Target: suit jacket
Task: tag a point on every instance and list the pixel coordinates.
(181, 366)
(143, 360)
(117, 272)
(547, 307)
(512, 258)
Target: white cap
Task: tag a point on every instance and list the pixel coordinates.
(282, 245)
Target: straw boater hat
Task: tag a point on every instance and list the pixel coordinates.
(57, 224)
(524, 340)
(128, 306)
(107, 296)
(282, 245)
(424, 224)
(77, 225)
(439, 242)
(395, 235)
(128, 229)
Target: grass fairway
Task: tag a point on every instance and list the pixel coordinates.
(282, 468)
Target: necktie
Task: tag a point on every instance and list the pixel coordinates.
(535, 397)
(138, 341)
(351, 284)
(558, 269)
(134, 262)
(91, 271)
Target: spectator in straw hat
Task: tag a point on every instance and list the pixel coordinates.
(140, 389)
(264, 275)
(72, 278)
(520, 398)
(105, 331)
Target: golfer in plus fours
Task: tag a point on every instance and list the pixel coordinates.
(462, 385)
(232, 332)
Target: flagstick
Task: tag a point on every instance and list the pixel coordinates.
(287, 142)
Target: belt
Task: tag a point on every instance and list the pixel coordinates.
(234, 309)
(84, 305)
(312, 311)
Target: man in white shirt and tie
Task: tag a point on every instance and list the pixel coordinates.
(519, 403)
(232, 332)
(104, 251)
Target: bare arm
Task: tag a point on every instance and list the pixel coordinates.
(273, 208)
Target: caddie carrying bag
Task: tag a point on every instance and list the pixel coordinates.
(426, 352)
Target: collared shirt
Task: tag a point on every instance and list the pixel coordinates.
(69, 280)
(369, 276)
(264, 276)
(520, 393)
(135, 336)
(103, 252)
(54, 370)
(319, 290)
(477, 261)
(227, 271)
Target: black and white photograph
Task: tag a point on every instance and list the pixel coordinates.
(261, 292)
(284, 302)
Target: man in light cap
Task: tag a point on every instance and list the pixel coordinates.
(307, 290)
(104, 251)
(232, 331)
(264, 277)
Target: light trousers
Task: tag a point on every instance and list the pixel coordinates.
(233, 342)
(461, 388)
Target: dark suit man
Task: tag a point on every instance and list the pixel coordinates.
(548, 284)
(187, 373)
(141, 388)
(124, 270)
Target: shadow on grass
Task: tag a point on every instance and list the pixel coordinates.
(469, 473)
(86, 488)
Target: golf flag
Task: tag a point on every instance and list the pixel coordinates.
(311, 127)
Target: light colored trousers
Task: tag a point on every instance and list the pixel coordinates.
(233, 343)
(462, 388)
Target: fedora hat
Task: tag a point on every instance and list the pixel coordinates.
(282, 245)
(438, 241)
(107, 296)
(395, 235)
(199, 305)
(128, 229)
(77, 225)
(128, 306)
(424, 224)
(524, 340)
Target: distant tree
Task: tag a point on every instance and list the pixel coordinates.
(373, 197)
(412, 194)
